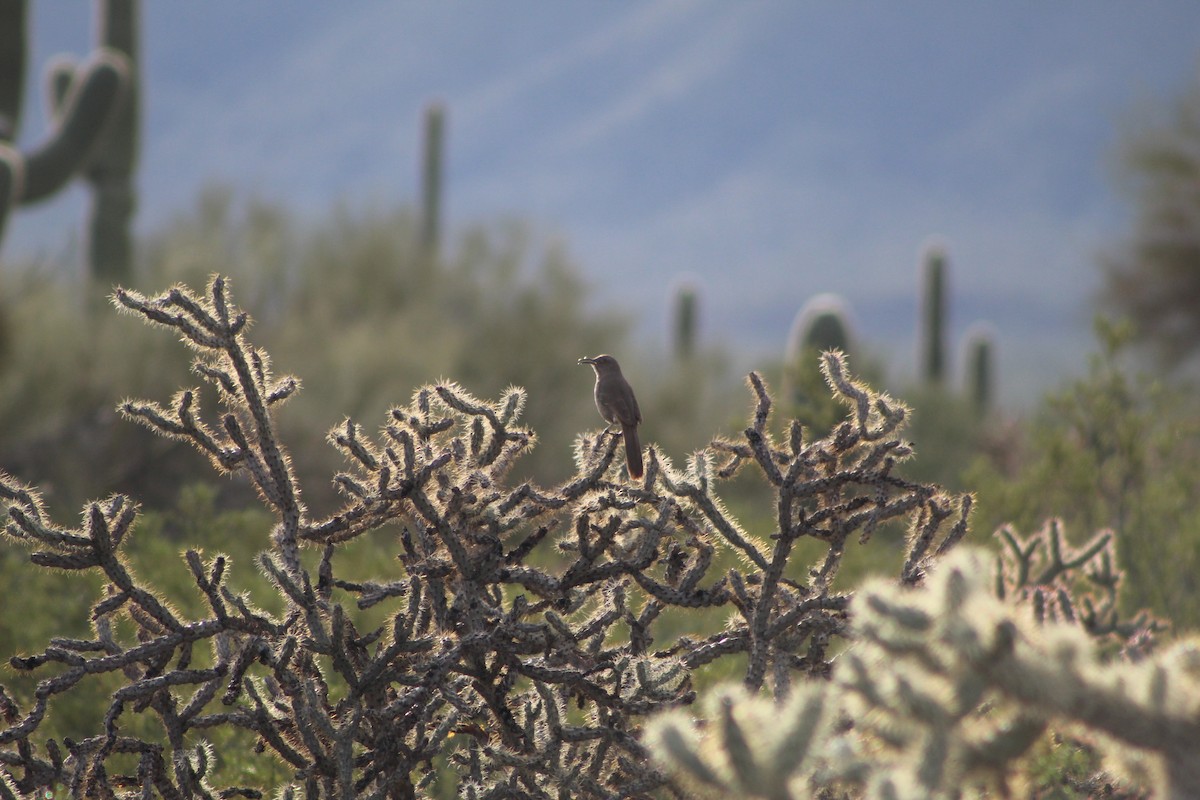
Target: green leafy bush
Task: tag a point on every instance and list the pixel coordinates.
(1116, 449)
(351, 300)
(344, 298)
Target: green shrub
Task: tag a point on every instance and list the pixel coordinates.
(1115, 449)
(351, 300)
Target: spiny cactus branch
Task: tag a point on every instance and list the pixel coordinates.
(944, 691)
(531, 672)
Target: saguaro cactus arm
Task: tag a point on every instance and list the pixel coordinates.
(88, 106)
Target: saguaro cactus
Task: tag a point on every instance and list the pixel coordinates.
(10, 182)
(12, 66)
(979, 362)
(822, 324)
(932, 334)
(431, 177)
(684, 310)
(87, 99)
(110, 169)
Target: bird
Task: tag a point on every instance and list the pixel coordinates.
(618, 406)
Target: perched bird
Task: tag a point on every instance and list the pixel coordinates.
(618, 406)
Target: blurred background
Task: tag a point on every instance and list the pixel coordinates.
(485, 192)
(770, 150)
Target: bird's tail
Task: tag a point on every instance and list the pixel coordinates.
(633, 451)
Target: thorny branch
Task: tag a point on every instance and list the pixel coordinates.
(1079, 585)
(532, 679)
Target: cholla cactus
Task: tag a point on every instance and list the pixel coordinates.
(532, 673)
(1077, 585)
(945, 689)
(752, 746)
(929, 662)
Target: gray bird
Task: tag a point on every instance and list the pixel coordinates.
(618, 406)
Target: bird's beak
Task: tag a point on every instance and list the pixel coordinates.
(586, 360)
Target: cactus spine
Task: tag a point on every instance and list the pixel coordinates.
(431, 178)
(932, 337)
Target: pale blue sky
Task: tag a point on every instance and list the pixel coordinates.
(772, 150)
